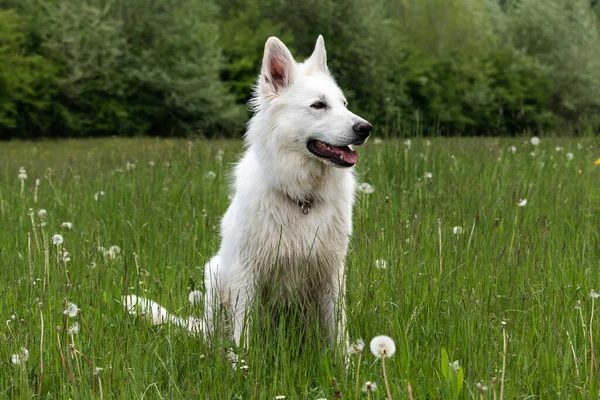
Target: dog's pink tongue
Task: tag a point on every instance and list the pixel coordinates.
(350, 156)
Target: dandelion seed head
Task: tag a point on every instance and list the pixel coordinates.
(570, 156)
(73, 329)
(457, 230)
(210, 175)
(22, 174)
(66, 225)
(369, 387)
(594, 295)
(382, 346)
(279, 397)
(559, 148)
(377, 141)
(21, 357)
(381, 264)
(356, 347)
(455, 365)
(522, 202)
(71, 310)
(365, 188)
(42, 213)
(57, 239)
(535, 140)
(513, 149)
(407, 143)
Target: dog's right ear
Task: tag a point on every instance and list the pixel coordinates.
(278, 67)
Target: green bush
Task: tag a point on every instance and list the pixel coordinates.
(27, 95)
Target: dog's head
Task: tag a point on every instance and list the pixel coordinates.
(305, 107)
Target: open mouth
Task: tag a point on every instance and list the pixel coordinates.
(342, 156)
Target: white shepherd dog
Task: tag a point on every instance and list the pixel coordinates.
(286, 232)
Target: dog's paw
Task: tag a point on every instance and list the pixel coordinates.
(147, 309)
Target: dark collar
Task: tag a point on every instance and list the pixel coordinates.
(305, 205)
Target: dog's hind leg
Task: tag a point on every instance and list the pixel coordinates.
(241, 298)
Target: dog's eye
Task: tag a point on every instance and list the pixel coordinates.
(319, 105)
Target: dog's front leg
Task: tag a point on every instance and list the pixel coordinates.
(333, 312)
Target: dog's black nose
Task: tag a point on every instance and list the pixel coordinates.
(362, 129)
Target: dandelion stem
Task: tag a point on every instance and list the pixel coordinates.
(574, 356)
(357, 375)
(504, 348)
(592, 356)
(440, 239)
(41, 378)
(512, 239)
(410, 393)
(584, 336)
(385, 380)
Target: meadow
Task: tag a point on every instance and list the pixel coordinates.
(478, 256)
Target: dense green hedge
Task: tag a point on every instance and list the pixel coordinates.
(179, 67)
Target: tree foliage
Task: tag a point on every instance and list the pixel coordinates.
(186, 67)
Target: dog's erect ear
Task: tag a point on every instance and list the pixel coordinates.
(278, 67)
(319, 55)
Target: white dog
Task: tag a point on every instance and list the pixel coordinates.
(287, 229)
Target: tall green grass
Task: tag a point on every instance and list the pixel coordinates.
(441, 296)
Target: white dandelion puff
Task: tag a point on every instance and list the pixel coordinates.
(594, 295)
(377, 141)
(66, 225)
(428, 175)
(73, 329)
(522, 202)
(195, 297)
(535, 140)
(513, 149)
(20, 358)
(57, 239)
(129, 166)
(64, 255)
(381, 264)
(99, 194)
(71, 310)
(407, 143)
(210, 175)
(22, 174)
(455, 365)
(559, 148)
(113, 252)
(356, 347)
(42, 213)
(279, 397)
(369, 387)
(365, 188)
(457, 230)
(570, 156)
(382, 346)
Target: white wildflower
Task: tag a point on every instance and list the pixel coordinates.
(381, 264)
(570, 156)
(535, 140)
(365, 188)
(195, 297)
(20, 358)
(369, 387)
(457, 230)
(71, 310)
(99, 194)
(210, 175)
(455, 365)
(66, 225)
(522, 202)
(356, 347)
(22, 174)
(73, 329)
(383, 346)
(57, 239)
(428, 175)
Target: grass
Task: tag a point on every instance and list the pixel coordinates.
(441, 296)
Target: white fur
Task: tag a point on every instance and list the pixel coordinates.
(266, 238)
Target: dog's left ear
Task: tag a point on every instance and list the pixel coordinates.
(319, 55)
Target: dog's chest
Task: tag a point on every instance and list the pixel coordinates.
(298, 249)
